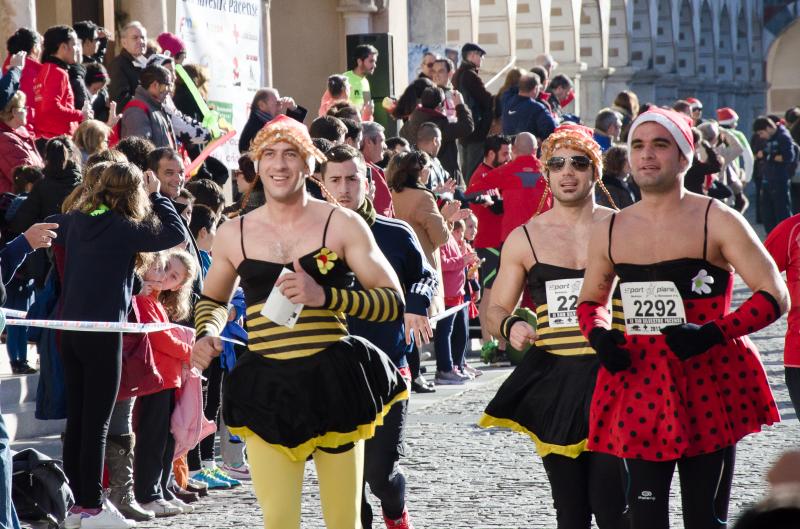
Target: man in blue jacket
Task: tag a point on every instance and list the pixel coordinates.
(780, 156)
(344, 176)
(522, 113)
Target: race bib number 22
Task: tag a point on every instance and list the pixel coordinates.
(649, 306)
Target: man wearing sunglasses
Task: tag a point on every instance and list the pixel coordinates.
(547, 255)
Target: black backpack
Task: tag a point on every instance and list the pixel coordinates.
(39, 488)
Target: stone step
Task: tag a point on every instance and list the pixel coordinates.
(16, 389)
(21, 422)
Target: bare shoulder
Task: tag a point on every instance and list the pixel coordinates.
(516, 245)
(725, 220)
(602, 213)
(228, 234)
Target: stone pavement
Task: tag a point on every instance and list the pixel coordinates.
(461, 476)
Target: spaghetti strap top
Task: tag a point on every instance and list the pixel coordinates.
(705, 233)
(527, 236)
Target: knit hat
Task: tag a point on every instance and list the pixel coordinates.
(284, 128)
(578, 137)
(6, 95)
(172, 43)
(159, 59)
(727, 116)
(695, 103)
(675, 123)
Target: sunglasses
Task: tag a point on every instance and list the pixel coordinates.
(429, 64)
(579, 163)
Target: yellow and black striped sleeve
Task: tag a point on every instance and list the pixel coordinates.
(210, 317)
(506, 324)
(374, 304)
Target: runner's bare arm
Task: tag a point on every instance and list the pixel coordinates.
(211, 311)
(740, 246)
(598, 282)
(506, 293)
(362, 254)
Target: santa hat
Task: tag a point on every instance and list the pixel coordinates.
(675, 123)
(578, 137)
(172, 43)
(284, 128)
(695, 103)
(727, 116)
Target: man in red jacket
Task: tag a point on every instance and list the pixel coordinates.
(54, 102)
(520, 184)
(373, 144)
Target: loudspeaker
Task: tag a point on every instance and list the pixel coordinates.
(381, 83)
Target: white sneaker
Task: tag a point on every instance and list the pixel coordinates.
(162, 508)
(472, 371)
(448, 378)
(73, 520)
(242, 472)
(106, 519)
(184, 507)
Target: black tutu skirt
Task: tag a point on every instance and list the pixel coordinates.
(330, 399)
(547, 397)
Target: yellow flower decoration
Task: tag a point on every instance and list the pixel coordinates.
(325, 260)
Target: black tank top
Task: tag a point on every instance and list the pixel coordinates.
(316, 328)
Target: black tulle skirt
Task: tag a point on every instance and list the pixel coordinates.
(330, 399)
(548, 398)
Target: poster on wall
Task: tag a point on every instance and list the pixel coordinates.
(225, 37)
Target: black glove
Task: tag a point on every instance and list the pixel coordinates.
(607, 345)
(689, 339)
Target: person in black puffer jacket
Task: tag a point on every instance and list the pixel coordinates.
(62, 174)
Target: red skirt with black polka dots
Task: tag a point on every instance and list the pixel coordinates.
(663, 408)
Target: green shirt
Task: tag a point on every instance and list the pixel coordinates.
(358, 87)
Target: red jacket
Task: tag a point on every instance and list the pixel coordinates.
(16, 148)
(783, 244)
(169, 350)
(521, 185)
(490, 224)
(383, 198)
(54, 103)
(29, 73)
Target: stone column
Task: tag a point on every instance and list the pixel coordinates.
(15, 14)
(427, 22)
(152, 15)
(575, 71)
(618, 80)
(266, 57)
(592, 92)
(357, 15)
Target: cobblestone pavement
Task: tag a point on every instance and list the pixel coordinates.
(461, 476)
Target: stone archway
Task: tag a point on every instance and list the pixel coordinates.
(533, 28)
(618, 44)
(782, 74)
(594, 53)
(725, 70)
(664, 60)
(742, 49)
(686, 64)
(641, 36)
(706, 66)
(564, 43)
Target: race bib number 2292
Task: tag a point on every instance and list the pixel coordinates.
(649, 306)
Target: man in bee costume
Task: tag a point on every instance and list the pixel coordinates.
(548, 396)
(304, 387)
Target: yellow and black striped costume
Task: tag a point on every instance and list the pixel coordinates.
(547, 396)
(311, 386)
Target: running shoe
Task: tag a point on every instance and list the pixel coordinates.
(73, 519)
(404, 522)
(448, 378)
(162, 508)
(222, 476)
(241, 473)
(208, 477)
(184, 507)
(472, 371)
(106, 519)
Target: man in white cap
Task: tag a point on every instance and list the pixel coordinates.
(671, 388)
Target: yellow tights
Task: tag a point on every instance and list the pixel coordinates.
(278, 484)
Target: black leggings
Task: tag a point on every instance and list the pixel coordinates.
(706, 482)
(212, 396)
(589, 484)
(155, 446)
(92, 370)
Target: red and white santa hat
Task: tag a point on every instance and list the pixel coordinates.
(675, 123)
(695, 103)
(727, 116)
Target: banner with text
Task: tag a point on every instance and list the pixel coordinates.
(225, 36)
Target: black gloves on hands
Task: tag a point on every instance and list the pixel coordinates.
(689, 339)
(607, 342)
